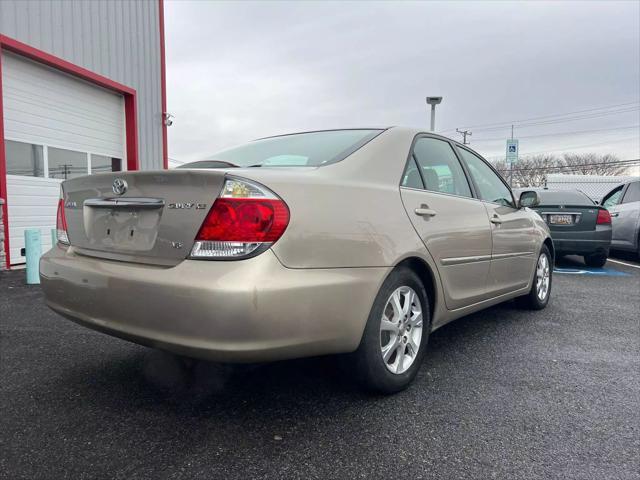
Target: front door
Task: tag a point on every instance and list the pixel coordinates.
(624, 207)
(512, 230)
(452, 224)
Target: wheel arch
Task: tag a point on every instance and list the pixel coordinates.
(549, 243)
(426, 276)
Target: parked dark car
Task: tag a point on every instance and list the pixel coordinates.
(578, 225)
(623, 203)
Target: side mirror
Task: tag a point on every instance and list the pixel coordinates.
(529, 199)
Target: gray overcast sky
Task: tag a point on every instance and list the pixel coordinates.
(241, 70)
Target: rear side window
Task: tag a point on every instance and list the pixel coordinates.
(491, 188)
(633, 193)
(311, 149)
(438, 168)
(412, 178)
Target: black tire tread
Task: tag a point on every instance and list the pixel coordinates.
(366, 362)
(530, 301)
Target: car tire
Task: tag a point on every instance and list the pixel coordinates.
(535, 300)
(385, 361)
(596, 260)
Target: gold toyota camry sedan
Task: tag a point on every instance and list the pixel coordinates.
(358, 242)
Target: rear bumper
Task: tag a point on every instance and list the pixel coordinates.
(597, 241)
(246, 311)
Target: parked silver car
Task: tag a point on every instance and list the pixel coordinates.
(344, 241)
(623, 203)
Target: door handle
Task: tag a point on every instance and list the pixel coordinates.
(496, 220)
(425, 212)
(616, 214)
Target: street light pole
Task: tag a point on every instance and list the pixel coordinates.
(433, 101)
(433, 117)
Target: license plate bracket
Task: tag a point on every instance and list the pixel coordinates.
(121, 228)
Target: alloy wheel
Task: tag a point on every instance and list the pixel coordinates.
(401, 330)
(543, 274)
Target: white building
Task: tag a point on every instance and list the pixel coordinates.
(82, 90)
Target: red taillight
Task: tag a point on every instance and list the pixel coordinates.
(61, 224)
(604, 217)
(244, 220)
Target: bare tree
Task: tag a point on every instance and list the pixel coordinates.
(532, 171)
(592, 164)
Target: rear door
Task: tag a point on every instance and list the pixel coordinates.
(452, 224)
(513, 253)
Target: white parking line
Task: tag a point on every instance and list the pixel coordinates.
(624, 263)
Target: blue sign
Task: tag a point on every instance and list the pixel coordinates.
(512, 151)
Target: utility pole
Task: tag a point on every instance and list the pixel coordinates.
(433, 101)
(511, 164)
(464, 134)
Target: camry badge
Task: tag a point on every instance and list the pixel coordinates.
(119, 186)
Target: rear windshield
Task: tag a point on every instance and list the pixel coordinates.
(312, 149)
(566, 197)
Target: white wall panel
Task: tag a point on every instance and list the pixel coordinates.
(44, 106)
(33, 203)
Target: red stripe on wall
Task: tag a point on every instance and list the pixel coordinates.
(131, 131)
(3, 176)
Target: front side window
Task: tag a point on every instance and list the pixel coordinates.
(312, 149)
(633, 193)
(24, 159)
(439, 167)
(490, 186)
(613, 198)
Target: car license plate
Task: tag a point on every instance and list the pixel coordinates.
(561, 219)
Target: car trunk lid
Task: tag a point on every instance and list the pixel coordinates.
(145, 217)
(569, 218)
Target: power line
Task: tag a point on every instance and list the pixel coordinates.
(574, 146)
(561, 133)
(556, 115)
(507, 123)
(562, 120)
(575, 167)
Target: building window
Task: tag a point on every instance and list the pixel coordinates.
(65, 164)
(24, 159)
(100, 163)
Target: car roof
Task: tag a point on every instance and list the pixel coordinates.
(410, 130)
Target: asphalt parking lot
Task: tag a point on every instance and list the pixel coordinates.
(504, 393)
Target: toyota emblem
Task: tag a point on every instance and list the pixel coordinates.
(119, 186)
